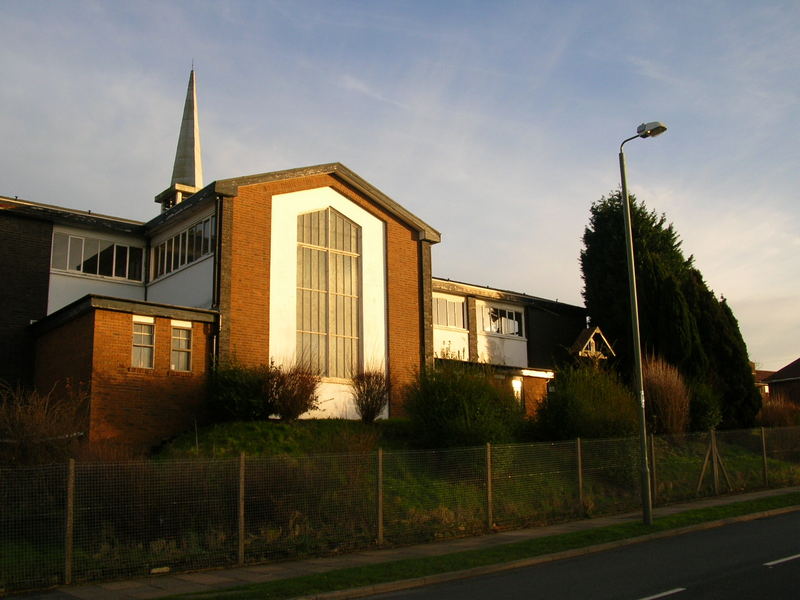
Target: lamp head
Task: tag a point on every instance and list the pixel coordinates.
(653, 129)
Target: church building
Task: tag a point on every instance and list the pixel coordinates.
(310, 265)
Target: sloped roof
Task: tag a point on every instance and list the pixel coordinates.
(787, 373)
(69, 216)
(583, 340)
(761, 376)
(451, 286)
(229, 187)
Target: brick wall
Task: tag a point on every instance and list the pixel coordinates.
(63, 360)
(534, 391)
(244, 285)
(143, 407)
(24, 277)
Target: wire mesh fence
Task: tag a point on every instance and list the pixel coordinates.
(93, 521)
(434, 494)
(32, 519)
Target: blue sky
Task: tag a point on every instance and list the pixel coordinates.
(496, 122)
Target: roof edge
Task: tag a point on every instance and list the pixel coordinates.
(452, 286)
(90, 302)
(229, 187)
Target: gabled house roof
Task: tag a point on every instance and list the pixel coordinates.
(790, 372)
(592, 343)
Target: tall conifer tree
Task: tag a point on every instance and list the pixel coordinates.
(681, 320)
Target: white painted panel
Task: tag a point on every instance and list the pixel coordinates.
(336, 402)
(283, 284)
(450, 343)
(190, 286)
(502, 350)
(65, 289)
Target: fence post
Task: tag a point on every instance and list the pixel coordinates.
(764, 456)
(715, 461)
(579, 457)
(241, 509)
(379, 497)
(489, 505)
(653, 478)
(69, 525)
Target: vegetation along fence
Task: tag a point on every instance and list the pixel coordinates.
(90, 521)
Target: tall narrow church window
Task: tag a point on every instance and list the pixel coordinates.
(328, 293)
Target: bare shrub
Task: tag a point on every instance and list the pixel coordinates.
(777, 411)
(40, 428)
(291, 391)
(370, 391)
(666, 396)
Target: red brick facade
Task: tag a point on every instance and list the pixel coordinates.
(144, 406)
(133, 406)
(244, 284)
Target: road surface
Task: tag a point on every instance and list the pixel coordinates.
(750, 560)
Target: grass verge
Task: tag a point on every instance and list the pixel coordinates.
(425, 567)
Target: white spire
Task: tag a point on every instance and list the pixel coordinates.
(188, 168)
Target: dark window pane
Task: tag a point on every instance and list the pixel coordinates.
(121, 261)
(90, 250)
(213, 243)
(168, 258)
(206, 236)
(135, 264)
(106, 266)
(60, 246)
(75, 253)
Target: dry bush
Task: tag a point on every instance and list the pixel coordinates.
(291, 391)
(40, 428)
(777, 411)
(370, 391)
(666, 396)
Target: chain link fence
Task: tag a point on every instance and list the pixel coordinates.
(92, 521)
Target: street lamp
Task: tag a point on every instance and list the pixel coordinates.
(644, 130)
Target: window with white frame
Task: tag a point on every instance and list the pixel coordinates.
(95, 256)
(328, 293)
(188, 246)
(448, 312)
(181, 350)
(143, 352)
(502, 321)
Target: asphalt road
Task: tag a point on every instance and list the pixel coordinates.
(751, 560)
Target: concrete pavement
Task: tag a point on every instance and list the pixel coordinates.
(210, 581)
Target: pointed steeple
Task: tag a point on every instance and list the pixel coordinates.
(188, 168)
(187, 172)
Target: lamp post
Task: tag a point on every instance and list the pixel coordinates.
(644, 130)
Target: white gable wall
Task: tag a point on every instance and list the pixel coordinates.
(335, 397)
